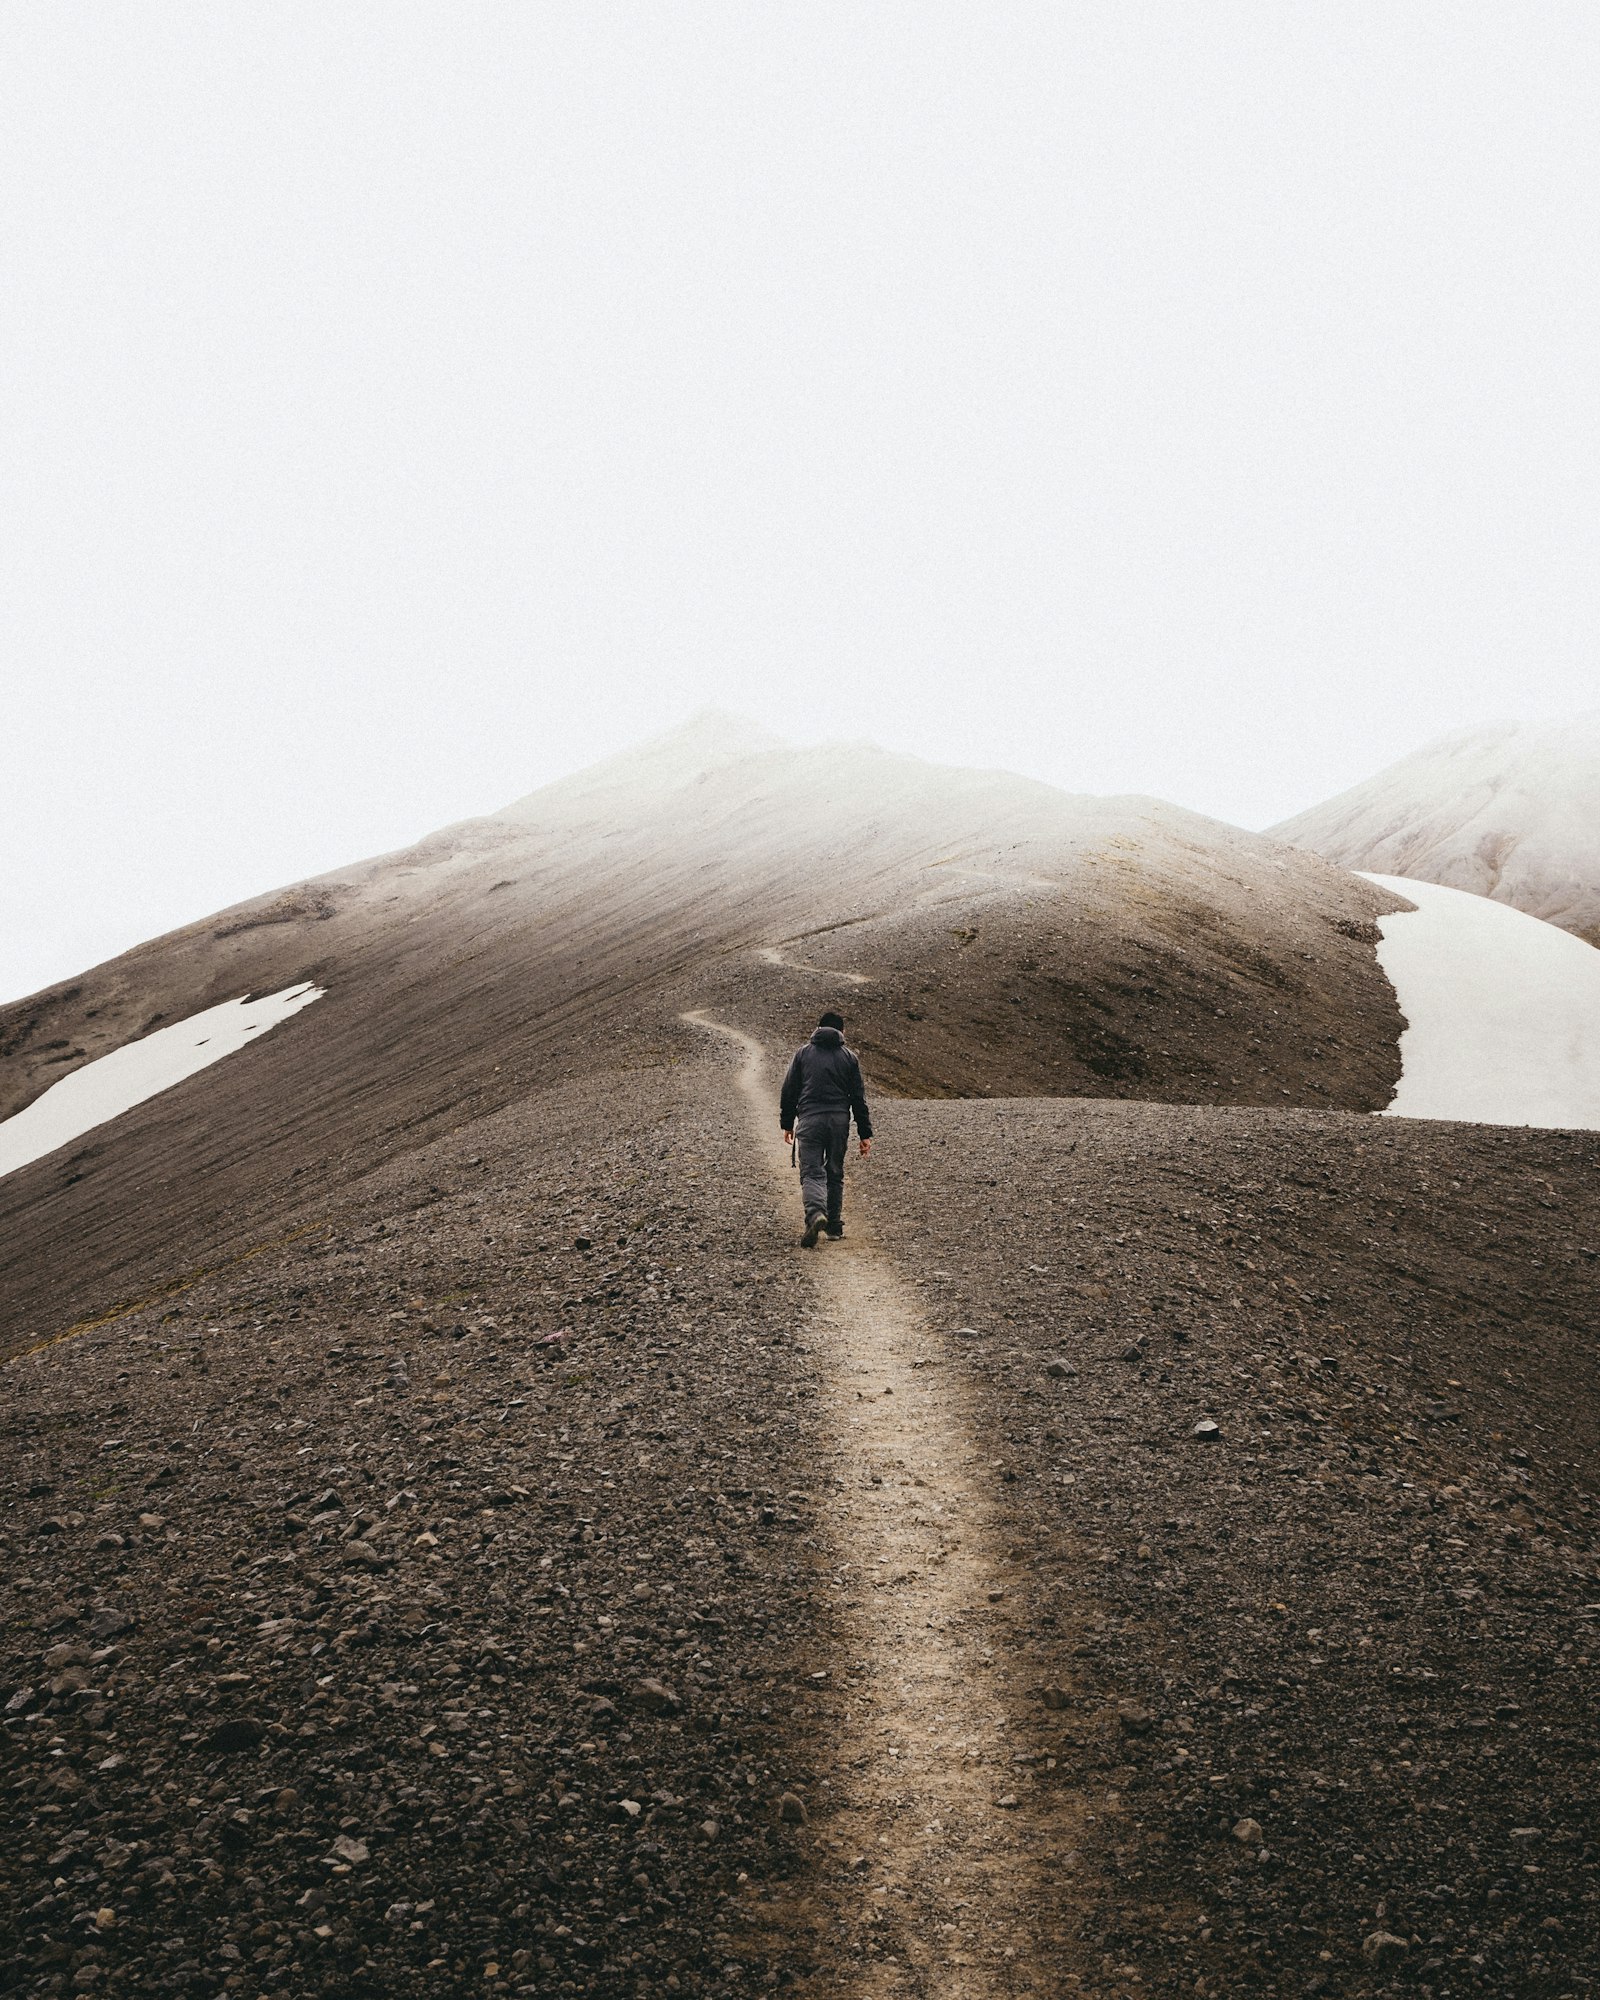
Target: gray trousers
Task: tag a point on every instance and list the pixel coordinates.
(823, 1138)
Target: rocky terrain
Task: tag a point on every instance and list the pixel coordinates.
(1510, 811)
(425, 1606)
(1327, 1671)
(1014, 939)
(456, 1543)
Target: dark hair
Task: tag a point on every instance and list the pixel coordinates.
(831, 1020)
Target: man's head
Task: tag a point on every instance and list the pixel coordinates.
(832, 1020)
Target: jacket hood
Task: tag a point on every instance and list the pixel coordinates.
(828, 1038)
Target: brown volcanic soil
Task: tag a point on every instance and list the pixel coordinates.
(1365, 1618)
(1358, 1619)
(327, 1541)
(340, 1548)
(1017, 940)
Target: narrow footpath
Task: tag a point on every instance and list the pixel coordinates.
(935, 1860)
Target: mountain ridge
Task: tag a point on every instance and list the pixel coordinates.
(1509, 810)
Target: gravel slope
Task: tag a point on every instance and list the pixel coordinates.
(1328, 1677)
(318, 1550)
(1020, 941)
(360, 1639)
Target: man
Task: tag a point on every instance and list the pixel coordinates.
(821, 1091)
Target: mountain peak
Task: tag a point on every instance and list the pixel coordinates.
(713, 735)
(1504, 809)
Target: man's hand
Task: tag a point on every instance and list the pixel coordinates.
(866, 1147)
(788, 1138)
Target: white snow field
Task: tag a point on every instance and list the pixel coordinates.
(1503, 1011)
(104, 1089)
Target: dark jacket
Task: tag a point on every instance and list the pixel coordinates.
(825, 1076)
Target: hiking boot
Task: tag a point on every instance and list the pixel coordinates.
(835, 1229)
(815, 1225)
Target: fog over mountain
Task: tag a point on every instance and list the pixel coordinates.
(1510, 811)
(457, 1543)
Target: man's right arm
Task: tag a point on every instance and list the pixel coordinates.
(789, 1098)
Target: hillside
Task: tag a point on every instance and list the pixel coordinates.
(1005, 938)
(457, 1544)
(1510, 811)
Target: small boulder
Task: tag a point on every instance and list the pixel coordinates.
(1383, 1948)
(235, 1732)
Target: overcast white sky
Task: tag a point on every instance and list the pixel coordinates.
(403, 404)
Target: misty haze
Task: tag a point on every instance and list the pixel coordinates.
(800, 1046)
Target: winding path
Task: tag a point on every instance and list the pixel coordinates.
(771, 954)
(931, 1873)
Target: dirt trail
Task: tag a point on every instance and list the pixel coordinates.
(935, 1858)
(1018, 880)
(770, 954)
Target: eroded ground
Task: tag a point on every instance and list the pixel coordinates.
(468, 1596)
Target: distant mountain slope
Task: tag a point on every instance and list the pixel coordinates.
(1510, 811)
(988, 935)
(460, 1547)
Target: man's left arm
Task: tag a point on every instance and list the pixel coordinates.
(859, 1107)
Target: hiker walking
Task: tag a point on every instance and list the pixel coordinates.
(821, 1091)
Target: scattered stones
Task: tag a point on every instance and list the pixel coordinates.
(1337, 1593)
(1383, 1948)
(470, 1720)
(656, 1697)
(236, 1732)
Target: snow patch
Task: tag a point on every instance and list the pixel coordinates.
(1503, 1011)
(104, 1089)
